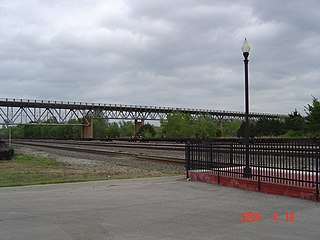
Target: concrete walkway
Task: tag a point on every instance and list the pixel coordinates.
(159, 208)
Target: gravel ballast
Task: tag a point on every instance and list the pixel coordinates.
(119, 165)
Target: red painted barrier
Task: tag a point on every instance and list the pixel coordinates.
(252, 185)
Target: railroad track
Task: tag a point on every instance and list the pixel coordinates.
(151, 146)
(99, 148)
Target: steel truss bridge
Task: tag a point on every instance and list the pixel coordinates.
(26, 111)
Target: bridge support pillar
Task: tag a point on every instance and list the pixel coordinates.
(138, 123)
(87, 129)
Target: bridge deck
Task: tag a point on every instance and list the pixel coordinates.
(17, 111)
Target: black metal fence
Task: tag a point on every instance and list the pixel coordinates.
(284, 161)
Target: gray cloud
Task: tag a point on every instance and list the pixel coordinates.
(183, 54)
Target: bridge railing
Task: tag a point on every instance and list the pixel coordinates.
(12, 101)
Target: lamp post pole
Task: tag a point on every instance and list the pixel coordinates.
(245, 49)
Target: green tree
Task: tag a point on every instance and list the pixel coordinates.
(158, 131)
(205, 127)
(269, 127)
(313, 117)
(230, 128)
(4, 132)
(242, 129)
(177, 125)
(32, 130)
(73, 131)
(147, 131)
(100, 128)
(17, 131)
(294, 124)
(294, 121)
(185, 126)
(126, 129)
(113, 130)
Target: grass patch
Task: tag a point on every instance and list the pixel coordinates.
(30, 170)
(36, 161)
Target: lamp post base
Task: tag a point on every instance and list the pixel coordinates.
(247, 172)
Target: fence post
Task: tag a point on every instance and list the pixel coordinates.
(259, 161)
(211, 157)
(231, 154)
(187, 156)
(217, 157)
(317, 174)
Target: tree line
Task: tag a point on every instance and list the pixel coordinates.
(180, 125)
(293, 125)
(71, 130)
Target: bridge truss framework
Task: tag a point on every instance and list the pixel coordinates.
(26, 111)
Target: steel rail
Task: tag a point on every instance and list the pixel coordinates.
(169, 147)
(179, 161)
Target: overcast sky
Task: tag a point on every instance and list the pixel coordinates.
(178, 53)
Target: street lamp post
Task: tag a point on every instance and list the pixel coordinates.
(245, 50)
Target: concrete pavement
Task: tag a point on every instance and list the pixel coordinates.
(158, 208)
